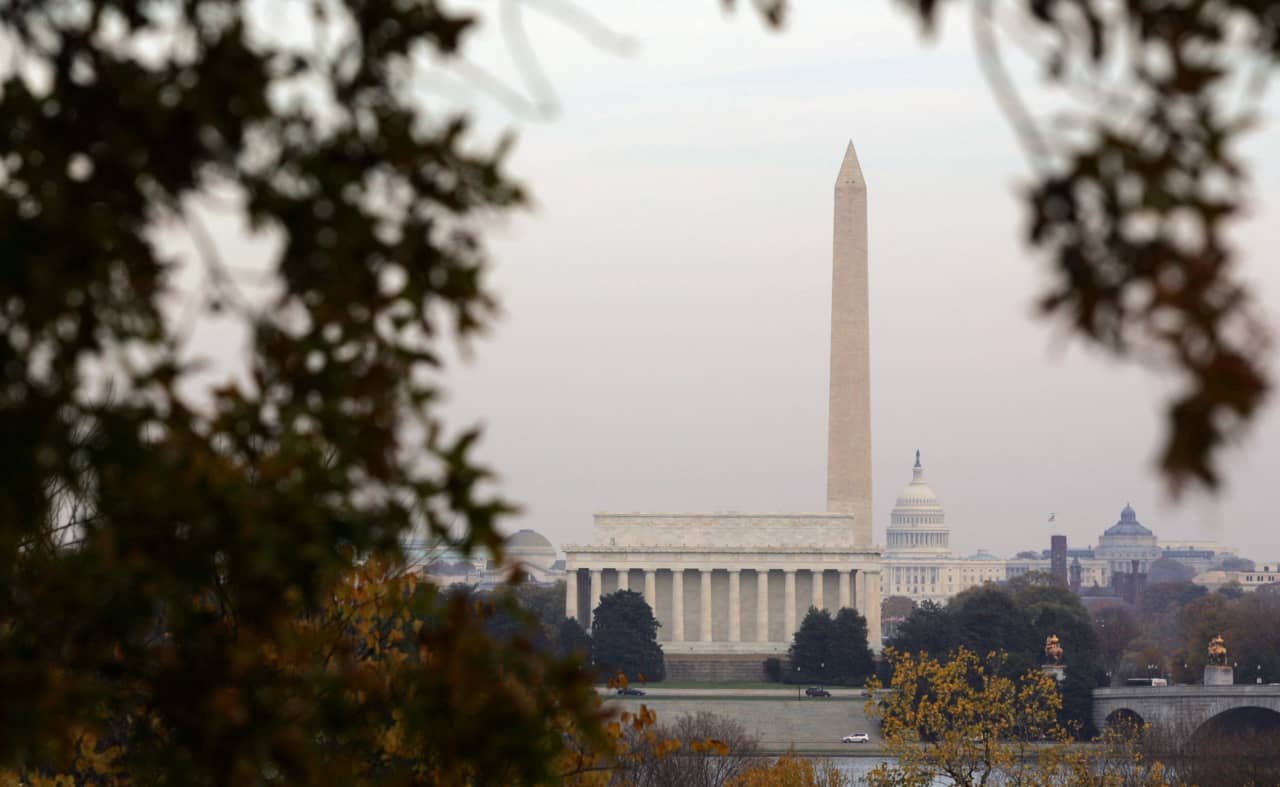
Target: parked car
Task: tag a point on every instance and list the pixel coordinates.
(857, 737)
(816, 691)
(631, 691)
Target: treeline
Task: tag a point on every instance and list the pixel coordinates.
(826, 649)
(1164, 635)
(1169, 630)
(1014, 619)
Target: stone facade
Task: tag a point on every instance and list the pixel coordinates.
(727, 583)
(1262, 576)
(1180, 707)
(1126, 541)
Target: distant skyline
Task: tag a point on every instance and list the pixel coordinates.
(664, 342)
(665, 338)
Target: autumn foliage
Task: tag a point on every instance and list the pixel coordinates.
(962, 719)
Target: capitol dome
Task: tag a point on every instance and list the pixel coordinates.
(917, 523)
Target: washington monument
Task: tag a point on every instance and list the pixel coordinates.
(849, 400)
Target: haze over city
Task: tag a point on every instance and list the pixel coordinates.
(664, 345)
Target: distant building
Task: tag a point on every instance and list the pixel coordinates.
(1266, 574)
(1091, 572)
(1199, 555)
(1129, 548)
(1126, 541)
(529, 549)
(917, 558)
(535, 555)
(918, 562)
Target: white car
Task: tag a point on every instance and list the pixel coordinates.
(857, 737)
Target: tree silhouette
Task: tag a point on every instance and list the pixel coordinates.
(624, 638)
(929, 629)
(851, 660)
(810, 651)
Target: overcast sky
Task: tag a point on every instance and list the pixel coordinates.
(667, 303)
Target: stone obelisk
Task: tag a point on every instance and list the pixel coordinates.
(849, 403)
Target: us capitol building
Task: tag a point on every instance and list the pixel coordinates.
(918, 562)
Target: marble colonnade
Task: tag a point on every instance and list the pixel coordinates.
(727, 583)
(743, 604)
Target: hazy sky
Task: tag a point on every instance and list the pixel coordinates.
(665, 339)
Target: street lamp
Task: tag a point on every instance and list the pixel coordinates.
(797, 682)
(1259, 675)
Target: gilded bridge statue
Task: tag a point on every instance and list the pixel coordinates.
(1218, 651)
(1053, 650)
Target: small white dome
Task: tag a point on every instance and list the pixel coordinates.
(528, 539)
(531, 548)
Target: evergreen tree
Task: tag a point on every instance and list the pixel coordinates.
(988, 619)
(625, 638)
(930, 628)
(810, 653)
(572, 639)
(851, 660)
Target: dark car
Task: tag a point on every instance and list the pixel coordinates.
(631, 692)
(815, 691)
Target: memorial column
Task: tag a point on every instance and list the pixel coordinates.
(597, 588)
(845, 601)
(735, 605)
(624, 579)
(677, 605)
(706, 605)
(816, 591)
(651, 589)
(762, 605)
(789, 605)
(571, 594)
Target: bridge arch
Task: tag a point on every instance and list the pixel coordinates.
(1185, 709)
(1251, 719)
(1124, 720)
